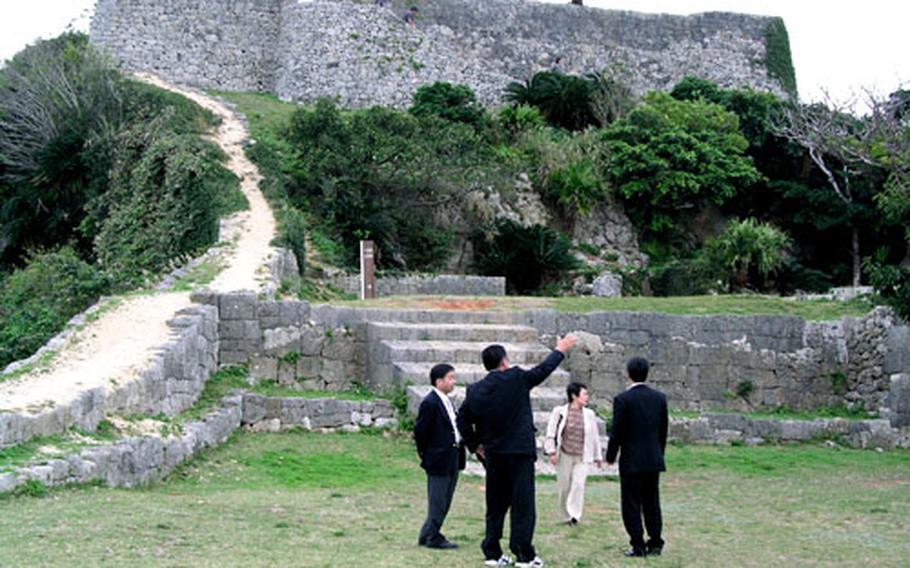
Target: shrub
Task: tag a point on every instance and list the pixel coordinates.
(670, 156)
(528, 257)
(891, 282)
(564, 100)
(520, 118)
(450, 102)
(159, 205)
(747, 252)
(36, 301)
(683, 277)
(577, 186)
(292, 230)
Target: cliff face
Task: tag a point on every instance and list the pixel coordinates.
(365, 54)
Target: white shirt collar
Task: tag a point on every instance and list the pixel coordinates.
(633, 385)
(450, 410)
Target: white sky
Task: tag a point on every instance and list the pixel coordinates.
(840, 46)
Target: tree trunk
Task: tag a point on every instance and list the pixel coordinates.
(854, 241)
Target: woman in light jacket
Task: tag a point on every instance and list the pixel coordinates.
(573, 444)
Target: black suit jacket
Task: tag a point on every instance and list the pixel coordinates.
(497, 410)
(435, 438)
(639, 430)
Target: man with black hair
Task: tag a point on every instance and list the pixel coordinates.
(441, 453)
(639, 435)
(497, 424)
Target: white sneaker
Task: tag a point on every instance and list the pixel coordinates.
(502, 561)
(536, 563)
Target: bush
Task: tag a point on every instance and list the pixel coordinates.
(747, 252)
(683, 277)
(577, 186)
(292, 230)
(528, 257)
(38, 300)
(450, 102)
(670, 156)
(159, 205)
(520, 118)
(564, 100)
(385, 175)
(891, 282)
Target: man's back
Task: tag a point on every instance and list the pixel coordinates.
(497, 410)
(639, 430)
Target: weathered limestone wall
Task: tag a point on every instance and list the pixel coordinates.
(440, 284)
(170, 384)
(366, 55)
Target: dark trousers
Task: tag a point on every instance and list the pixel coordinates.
(510, 484)
(640, 494)
(440, 489)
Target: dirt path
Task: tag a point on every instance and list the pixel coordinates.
(108, 351)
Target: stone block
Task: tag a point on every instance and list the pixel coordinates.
(897, 357)
(237, 306)
(264, 367)
(899, 400)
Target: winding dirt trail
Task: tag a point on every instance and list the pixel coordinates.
(110, 350)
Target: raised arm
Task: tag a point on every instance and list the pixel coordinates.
(539, 373)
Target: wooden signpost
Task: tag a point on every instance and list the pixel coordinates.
(367, 270)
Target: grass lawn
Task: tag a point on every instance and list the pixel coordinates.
(305, 499)
(742, 305)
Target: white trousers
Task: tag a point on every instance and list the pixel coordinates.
(571, 474)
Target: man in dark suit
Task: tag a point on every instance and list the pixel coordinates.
(441, 453)
(497, 423)
(639, 434)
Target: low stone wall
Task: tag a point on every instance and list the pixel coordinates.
(723, 428)
(737, 362)
(271, 414)
(134, 461)
(426, 284)
(138, 461)
(169, 384)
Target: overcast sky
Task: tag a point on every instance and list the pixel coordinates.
(840, 46)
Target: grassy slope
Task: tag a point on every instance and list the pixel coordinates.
(332, 500)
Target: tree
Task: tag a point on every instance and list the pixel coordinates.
(564, 100)
(846, 148)
(668, 156)
(451, 102)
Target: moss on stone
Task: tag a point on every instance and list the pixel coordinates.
(778, 60)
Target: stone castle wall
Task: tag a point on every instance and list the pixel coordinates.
(365, 54)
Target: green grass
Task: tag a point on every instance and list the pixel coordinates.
(263, 111)
(305, 499)
(42, 448)
(200, 275)
(786, 413)
(270, 388)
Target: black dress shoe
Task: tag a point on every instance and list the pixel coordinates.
(442, 545)
(635, 553)
(654, 550)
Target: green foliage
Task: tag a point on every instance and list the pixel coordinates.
(578, 185)
(683, 277)
(159, 205)
(292, 231)
(778, 60)
(670, 155)
(528, 257)
(218, 386)
(564, 100)
(31, 488)
(59, 102)
(744, 389)
(385, 175)
(520, 118)
(456, 103)
(746, 252)
(891, 282)
(36, 301)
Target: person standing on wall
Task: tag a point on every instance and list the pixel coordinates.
(573, 445)
(639, 435)
(497, 424)
(441, 452)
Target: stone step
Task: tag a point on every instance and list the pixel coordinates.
(488, 333)
(455, 352)
(406, 372)
(543, 400)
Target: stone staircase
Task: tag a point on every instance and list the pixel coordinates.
(402, 354)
